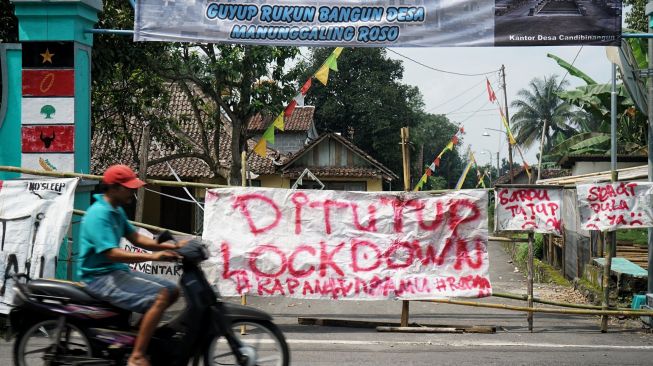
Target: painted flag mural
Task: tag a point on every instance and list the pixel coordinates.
(48, 106)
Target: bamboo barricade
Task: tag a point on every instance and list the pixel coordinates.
(554, 303)
(156, 182)
(628, 313)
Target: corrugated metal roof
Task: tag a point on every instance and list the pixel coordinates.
(638, 173)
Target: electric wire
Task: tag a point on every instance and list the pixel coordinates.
(456, 96)
(440, 70)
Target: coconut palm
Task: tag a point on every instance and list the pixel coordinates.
(539, 105)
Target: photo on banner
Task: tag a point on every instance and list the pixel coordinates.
(534, 210)
(343, 245)
(34, 218)
(384, 23)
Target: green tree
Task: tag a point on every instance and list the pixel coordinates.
(367, 96)
(540, 105)
(127, 92)
(228, 83)
(636, 17)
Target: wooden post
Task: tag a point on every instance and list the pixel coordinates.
(243, 174)
(529, 265)
(142, 172)
(611, 237)
(405, 305)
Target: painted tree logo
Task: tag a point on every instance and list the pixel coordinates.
(48, 110)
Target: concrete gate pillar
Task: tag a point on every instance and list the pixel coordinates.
(46, 109)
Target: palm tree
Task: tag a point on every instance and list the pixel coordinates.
(540, 105)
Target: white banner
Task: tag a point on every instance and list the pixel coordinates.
(381, 23)
(347, 245)
(167, 270)
(612, 206)
(34, 217)
(535, 210)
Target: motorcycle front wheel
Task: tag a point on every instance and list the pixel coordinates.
(263, 344)
(34, 346)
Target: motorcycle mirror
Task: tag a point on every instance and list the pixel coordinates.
(164, 237)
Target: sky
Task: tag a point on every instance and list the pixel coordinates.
(460, 96)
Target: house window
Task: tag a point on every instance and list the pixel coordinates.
(254, 182)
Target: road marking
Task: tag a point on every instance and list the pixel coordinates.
(465, 344)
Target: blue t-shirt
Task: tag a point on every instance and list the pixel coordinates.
(102, 228)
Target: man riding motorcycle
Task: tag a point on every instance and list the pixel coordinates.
(103, 264)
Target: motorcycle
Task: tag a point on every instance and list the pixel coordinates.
(58, 323)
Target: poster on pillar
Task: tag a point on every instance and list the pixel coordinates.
(343, 245)
(613, 206)
(48, 162)
(383, 23)
(48, 107)
(34, 218)
(534, 210)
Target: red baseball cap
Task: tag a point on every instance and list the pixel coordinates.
(123, 175)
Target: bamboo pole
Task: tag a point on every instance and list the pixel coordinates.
(629, 313)
(156, 182)
(549, 302)
(529, 264)
(405, 305)
(606, 277)
(142, 172)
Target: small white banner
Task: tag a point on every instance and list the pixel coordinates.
(347, 245)
(536, 210)
(48, 111)
(167, 270)
(612, 206)
(34, 217)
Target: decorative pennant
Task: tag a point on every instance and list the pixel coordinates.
(290, 108)
(279, 122)
(307, 85)
(491, 95)
(323, 74)
(299, 99)
(268, 135)
(261, 147)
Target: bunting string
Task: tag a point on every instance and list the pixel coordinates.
(511, 139)
(279, 123)
(436, 163)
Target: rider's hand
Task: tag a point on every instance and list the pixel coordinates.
(165, 256)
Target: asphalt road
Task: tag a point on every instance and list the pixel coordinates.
(556, 340)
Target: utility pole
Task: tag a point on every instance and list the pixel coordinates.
(505, 102)
(649, 14)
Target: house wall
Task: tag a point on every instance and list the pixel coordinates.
(331, 153)
(271, 181)
(586, 167)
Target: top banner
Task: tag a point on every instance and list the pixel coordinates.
(383, 23)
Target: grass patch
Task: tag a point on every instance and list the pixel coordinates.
(635, 236)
